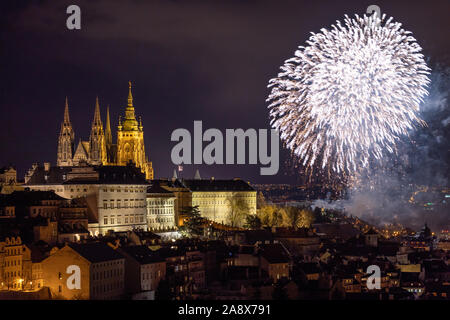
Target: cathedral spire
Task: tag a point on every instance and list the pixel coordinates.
(130, 123)
(97, 145)
(97, 118)
(108, 135)
(119, 127)
(130, 139)
(130, 96)
(66, 112)
(65, 140)
(141, 127)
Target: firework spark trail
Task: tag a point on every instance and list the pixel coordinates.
(350, 94)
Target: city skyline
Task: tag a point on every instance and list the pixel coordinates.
(191, 70)
(218, 158)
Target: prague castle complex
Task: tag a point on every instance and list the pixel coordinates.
(100, 149)
(117, 184)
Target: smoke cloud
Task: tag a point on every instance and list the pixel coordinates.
(410, 188)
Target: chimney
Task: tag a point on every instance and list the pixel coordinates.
(47, 166)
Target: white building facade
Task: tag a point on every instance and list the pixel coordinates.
(160, 209)
(215, 199)
(115, 195)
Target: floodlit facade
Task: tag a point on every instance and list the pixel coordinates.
(100, 150)
(101, 271)
(160, 208)
(214, 198)
(115, 195)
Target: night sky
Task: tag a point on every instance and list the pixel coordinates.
(188, 60)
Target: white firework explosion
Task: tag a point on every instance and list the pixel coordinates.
(350, 94)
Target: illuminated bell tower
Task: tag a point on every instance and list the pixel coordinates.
(65, 140)
(130, 140)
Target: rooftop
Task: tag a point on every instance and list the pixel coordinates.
(143, 254)
(207, 185)
(96, 251)
(128, 174)
(275, 253)
(155, 188)
(27, 197)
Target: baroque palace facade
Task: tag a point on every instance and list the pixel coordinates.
(115, 196)
(214, 198)
(100, 149)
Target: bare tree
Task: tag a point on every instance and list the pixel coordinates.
(297, 217)
(271, 216)
(238, 209)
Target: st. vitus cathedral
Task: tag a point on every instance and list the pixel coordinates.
(100, 149)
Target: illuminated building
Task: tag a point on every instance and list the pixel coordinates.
(160, 208)
(302, 240)
(422, 240)
(176, 269)
(115, 195)
(15, 264)
(8, 175)
(196, 269)
(144, 269)
(443, 245)
(73, 222)
(33, 203)
(214, 198)
(275, 261)
(102, 272)
(100, 150)
(8, 180)
(45, 230)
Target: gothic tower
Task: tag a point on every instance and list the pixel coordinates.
(110, 147)
(108, 134)
(130, 140)
(97, 144)
(65, 140)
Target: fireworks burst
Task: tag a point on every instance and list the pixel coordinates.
(348, 97)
